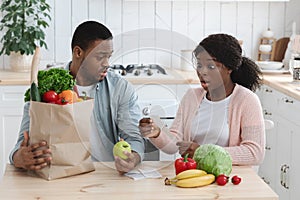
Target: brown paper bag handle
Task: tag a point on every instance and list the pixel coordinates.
(35, 65)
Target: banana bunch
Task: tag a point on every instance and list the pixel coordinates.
(191, 178)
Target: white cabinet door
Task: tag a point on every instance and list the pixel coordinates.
(10, 120)
(267, 169)
(284, 135)
(11, 111)
(295, 164)
(288, 147)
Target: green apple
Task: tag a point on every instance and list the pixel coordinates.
(120, 147)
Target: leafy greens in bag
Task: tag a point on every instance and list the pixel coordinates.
(55, 79)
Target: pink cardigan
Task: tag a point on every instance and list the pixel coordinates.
(246, 126)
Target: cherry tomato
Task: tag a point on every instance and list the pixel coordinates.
(222, 179)
(50, 96)
(236, 180)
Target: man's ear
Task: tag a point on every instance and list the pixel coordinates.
(77, 52)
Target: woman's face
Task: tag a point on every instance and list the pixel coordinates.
(213, 75)
(95, 62)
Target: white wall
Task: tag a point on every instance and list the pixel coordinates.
(163, 28)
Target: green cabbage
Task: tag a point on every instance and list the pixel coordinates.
(213, 159)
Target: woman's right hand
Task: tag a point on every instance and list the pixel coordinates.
(32, 157)
(148, 128)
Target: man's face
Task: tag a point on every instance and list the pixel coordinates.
(95, 62)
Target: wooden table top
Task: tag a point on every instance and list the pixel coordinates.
(106, 183)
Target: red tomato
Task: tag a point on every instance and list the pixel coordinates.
(236, 180)
(50, 96)
(222, 179)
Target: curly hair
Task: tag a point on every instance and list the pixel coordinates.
(227, 50)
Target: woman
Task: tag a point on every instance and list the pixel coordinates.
(224, 111)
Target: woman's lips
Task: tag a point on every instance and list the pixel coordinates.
(204, 83)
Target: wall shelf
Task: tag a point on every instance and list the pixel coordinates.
(262, 55)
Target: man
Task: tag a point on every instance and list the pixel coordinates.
(116, 112)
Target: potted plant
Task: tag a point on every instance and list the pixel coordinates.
(22, 26)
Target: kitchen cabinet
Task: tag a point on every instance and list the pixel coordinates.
(280, 166)
(267, 169)
(11, 111)
(288, 147)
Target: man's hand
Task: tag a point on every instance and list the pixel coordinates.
(32, 157)
(127, 165)
(187, 147)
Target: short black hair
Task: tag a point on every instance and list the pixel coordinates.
(227, 50)
(88, 32)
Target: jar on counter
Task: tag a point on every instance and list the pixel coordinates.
(295, 68)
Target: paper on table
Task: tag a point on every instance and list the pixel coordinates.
(138, 174)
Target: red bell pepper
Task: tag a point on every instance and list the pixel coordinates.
(184, 163)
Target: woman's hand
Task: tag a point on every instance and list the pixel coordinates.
(32, 157)
(187, 147)
(148, 128)
(127, 165)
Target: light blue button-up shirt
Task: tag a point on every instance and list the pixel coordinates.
(116, 112)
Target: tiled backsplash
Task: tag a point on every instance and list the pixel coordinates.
(156, 31)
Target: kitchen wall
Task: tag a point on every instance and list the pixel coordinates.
(156, 31)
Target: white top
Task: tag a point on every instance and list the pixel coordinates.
(98, 151)
(210, 125)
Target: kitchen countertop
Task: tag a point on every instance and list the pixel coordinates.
(174, 77)
(284, 84)
(106, 183)
(14, 78)
(280, 82)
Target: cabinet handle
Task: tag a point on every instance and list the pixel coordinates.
(264, 179)
(281, 175)
(268, 90)
(284, 176)
(267, 113)
(268, 148)
(285, 171)
(286, 100)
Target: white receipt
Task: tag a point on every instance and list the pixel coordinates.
(138, 174)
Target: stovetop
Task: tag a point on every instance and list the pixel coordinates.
(139, 70)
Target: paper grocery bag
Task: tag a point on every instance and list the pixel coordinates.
(66, 129)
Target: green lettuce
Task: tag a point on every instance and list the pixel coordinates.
(213, 159)
(55, 79)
